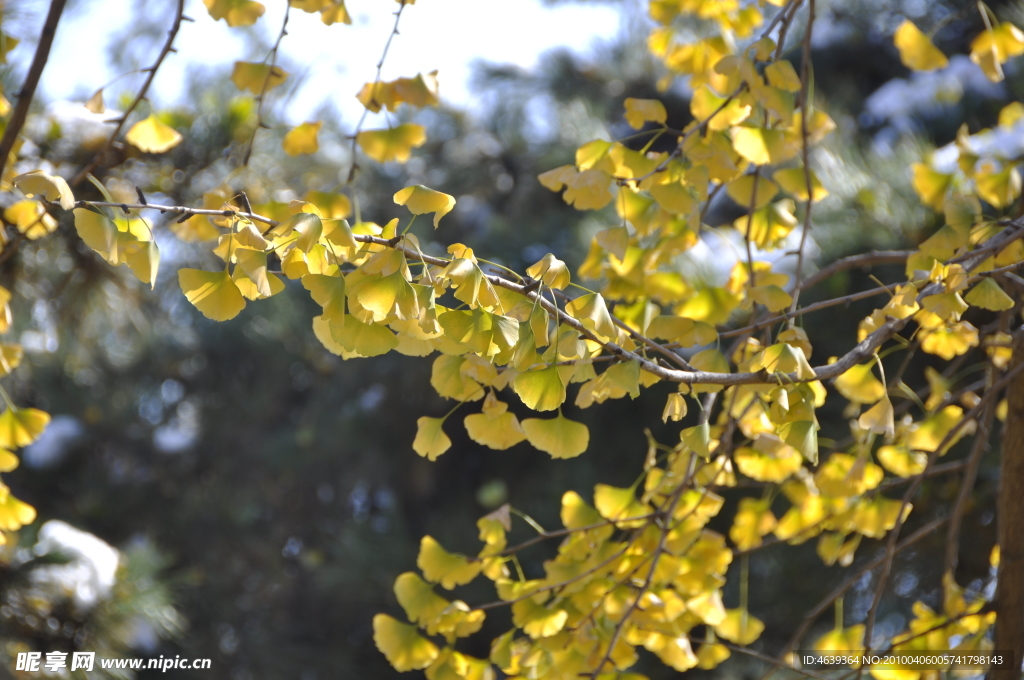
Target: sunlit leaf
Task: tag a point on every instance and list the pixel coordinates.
(431, 441)
(988, 295)
(51, 187)
(21, 426)
(440, 566)
(420, 200)
(916, 49)
(393, 144)
(152, 135)
(640, 111)
(302, 139)
(739, 627)
(559, 436)
(213, 293)
(401, 644)
(257, 78)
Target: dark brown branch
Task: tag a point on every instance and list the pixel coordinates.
(28, 89)
(864, 260)
(981, 441)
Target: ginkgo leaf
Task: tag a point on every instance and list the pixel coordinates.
(710, 655)
(431, 441)
(8, 461)
(213, 293)
(559, 437)
(418, 91)
(618, 504)
(21, 426)
(51, 187)
(592, 311)
(10, 358)
(762, 146)
(741, 190)
(930, 185)
(256, 77)
(302, 139)
(393, 144)
(859, 385)
(998, 187)
(782, 75)
(235, 12)
(151, 135)
(363, 339)
(421, 604)
(143, 258)
(500, 431)
(740, 627)
(916, 49)
(31, 219)
(14, 514)
(195, 228)
(536, 620)
(640, 111)
(440, 566)
(420, 200)
(332, 206)
(551, 271)
(993, 47)
(402, 645)
(879, 418)
(542, 389)
(98, 232)
(328, 292)
(95, 103)
(988, 295)
(794, 181)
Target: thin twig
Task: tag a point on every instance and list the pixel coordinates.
(179, 16)
(805, 104)
(272, 58)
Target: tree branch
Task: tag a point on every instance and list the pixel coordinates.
(28, 90)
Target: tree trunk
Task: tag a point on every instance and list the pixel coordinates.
(1010, 587)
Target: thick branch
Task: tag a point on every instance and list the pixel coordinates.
(28, 90)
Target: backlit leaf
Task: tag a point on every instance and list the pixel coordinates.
(302, 139)
(988, 295)
(420, 200)
(739, 627)
(916, 49)
(394, 144)
(401, 644)
(640, 111)
(51, 187)
(213, 293)
(559, 436)
(431, 441)
(256, 77)
(440, 566)
(21, 426)
(152, 135)
(540, 390)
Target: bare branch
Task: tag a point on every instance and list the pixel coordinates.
(151, 74)
(28, 90)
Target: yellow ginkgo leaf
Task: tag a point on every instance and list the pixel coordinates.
(235, 12)
(402, 645)
(421, 604)
(741, 190)
(794, 181)
(431, 441)
(618, 504)
(879, 418)
(332, 206)
(195, 228)
(710, 655)
(151, 135)
(782, 75)
(916, 49)
(440, 566)
(95, 103)
(14, 514)
(775, 463)
(542, 389)
(421, 200)
(21, 426)
(328, 292)
(8, 461)
(930, 185)
(551, 271)
(536, 620)
(998, 187)
(740, 627)
(988, 295)
(10, 358)
(143, 258)
(559, 437)
(31, 219)
(213, 293)
(497, 431)
(418, 91)
(860, 385)
(842, 640)
(640, 111)
(256, 77)
(992, 48)
(51, 187)
(302, 139)
(393, 144)
(761, 146)
(592, 311)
